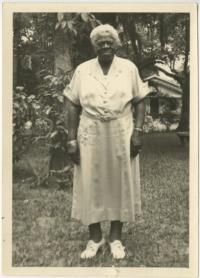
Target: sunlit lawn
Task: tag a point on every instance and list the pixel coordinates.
(44, 234)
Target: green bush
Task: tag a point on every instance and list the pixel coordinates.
(39, 126)
(25, 112)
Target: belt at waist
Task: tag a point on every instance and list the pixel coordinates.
(106, 118)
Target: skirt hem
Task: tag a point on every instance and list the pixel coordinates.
(108, 215)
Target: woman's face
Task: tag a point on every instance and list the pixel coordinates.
(105, 48)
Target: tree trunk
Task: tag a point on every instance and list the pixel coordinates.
(154, 107)
(16, 42)
(135, 40)
(184, 120)
(130, 27)
(162, 35)
(62, 64)
(15, 67)
(187, 46)
(185, 84)
(63, 61)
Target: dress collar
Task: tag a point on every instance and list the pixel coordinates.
(97, 73)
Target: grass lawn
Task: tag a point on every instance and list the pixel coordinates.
(44, 234)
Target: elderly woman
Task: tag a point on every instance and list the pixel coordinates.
(104, 141)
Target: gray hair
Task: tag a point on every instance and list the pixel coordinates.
(104, 29)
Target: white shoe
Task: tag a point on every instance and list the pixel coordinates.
(117, 249)
(92, 248)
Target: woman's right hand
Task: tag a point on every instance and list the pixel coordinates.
(73, 151)
(136, 143)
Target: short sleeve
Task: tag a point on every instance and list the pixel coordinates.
(140, 88)
(71, 91)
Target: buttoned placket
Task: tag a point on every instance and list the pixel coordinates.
(105, 81)
(105, 91)
(104, 96)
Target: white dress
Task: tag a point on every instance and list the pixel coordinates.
(106, 184)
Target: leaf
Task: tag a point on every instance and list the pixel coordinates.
(92, 16)
(48, 110)
(57, 25)
(19, 88)
(28, 125)
(54, 80)
(63, 24)
(75, 31)
(85, 17)
(61, 99)
(31, 97)
(60, 17)
(25, 105)
(92, 22)
(36, 106)
(53, 134)
(16, 105)
(98, 22)
(70, 24)
(59, 122)
(47, 94)
(48, 77)
(57, 145)
(64, 129)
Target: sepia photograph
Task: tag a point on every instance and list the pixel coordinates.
(102, 137)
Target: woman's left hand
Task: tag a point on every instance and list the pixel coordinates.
(136, 143)
(73, 151)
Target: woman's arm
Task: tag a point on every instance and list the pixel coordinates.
(139, 114)
(136, 139)
(72, 125)
(72, 119)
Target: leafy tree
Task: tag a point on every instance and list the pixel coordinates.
(47, 48)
